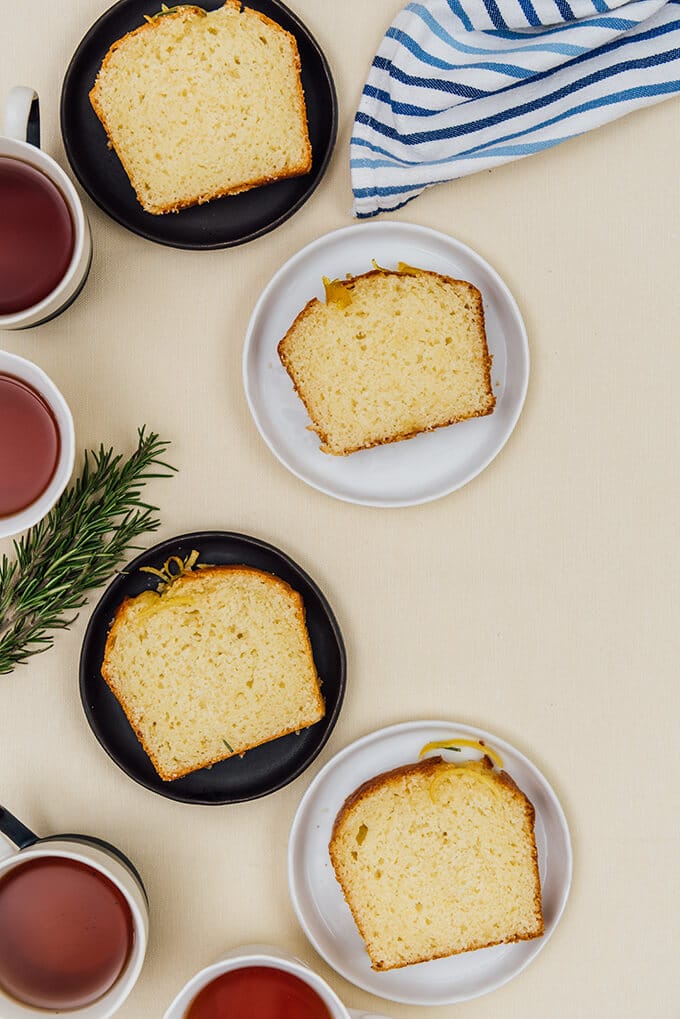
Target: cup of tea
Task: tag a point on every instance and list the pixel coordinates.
(73, 925)
(45, 243)
(260, 981)
(37, 444)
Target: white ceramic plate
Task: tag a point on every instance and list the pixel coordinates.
(401, 473)
(325, 916)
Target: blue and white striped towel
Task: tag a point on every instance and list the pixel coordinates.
(464, 85)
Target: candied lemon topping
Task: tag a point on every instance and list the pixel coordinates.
(171, 569)
(458, 744)
(403, 268)
(339, 294)
(173, 10)
(164, 597)
(336, 293)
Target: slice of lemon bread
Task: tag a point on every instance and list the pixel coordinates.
(217, 664)
(435, 859)
(388, 355)
(201, 104)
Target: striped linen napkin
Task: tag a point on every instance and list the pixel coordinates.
(464, 85)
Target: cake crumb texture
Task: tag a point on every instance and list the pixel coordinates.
(436, 859)
(201, 104)
(219, 663)
(399, 355)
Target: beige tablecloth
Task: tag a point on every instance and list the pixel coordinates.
(539, 602)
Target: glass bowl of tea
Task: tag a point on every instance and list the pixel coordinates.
(37, 444)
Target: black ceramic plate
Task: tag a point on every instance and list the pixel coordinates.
(259, 771)
(224, 221)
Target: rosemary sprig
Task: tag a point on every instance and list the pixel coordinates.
(76, 547)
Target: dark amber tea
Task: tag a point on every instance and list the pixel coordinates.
(36, 236)
(29, 445)
(66, 933)
(257, 992)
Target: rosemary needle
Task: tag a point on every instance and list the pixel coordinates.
(76, 547)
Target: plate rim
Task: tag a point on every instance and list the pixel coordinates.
(296, 835)
(331, 720)
(415, 229)
(196, 245)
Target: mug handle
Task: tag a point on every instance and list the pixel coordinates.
(15, 832)
(22, 115)
(355, 1014)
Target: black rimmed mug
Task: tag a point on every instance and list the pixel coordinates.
(19, 141)
(21, 846)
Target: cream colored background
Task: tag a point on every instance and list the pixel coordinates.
(540, 602)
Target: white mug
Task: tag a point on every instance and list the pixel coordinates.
(14, 145)
(113, 865)
(35, 377)
(275, 958)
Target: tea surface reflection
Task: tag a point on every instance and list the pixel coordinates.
(66, 933)
(261, 991)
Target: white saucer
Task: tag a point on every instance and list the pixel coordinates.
(325, 916)
(401, 473)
